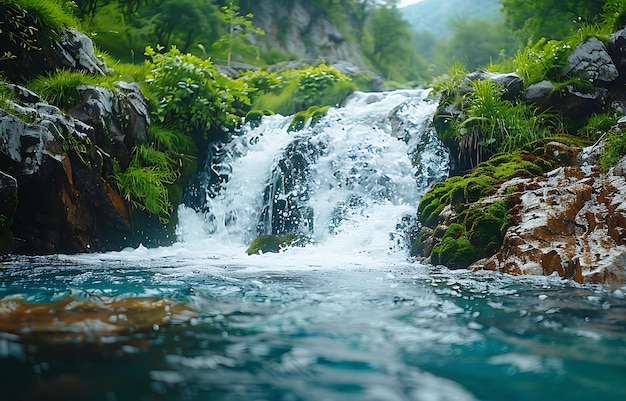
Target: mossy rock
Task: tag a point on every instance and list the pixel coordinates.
(312, 115)
(455, 250)
(484, 224)
(462, 191)
(275, 243)
(254, 117)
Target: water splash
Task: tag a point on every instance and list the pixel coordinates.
(350, 182)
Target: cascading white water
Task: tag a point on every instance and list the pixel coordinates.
(349, 181)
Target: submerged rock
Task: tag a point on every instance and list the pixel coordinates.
(94, 319)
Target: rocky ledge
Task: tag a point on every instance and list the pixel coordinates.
(570, 222)
(543, 209)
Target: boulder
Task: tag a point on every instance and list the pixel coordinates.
(65, 204)
(591, 61)
(512, 83)
(8, 204)
(571, 223)
(580, 103)
(75, 50)
(540, 93)
(616, 47)
(119, 117)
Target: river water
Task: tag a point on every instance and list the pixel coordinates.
(349, 316)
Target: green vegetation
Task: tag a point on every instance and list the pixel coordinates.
(289, 91)
(478, 226)
(239, 28)
(60, 88)
(541, 60)
(275, 244)
(192, 95)
(311, 116)
(614, 149)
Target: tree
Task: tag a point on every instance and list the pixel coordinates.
(476, 42)
(239, 28)
(553, 19)
(181, 22)
(390, 35)
(86, 9)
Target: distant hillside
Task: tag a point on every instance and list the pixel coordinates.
(433, 15)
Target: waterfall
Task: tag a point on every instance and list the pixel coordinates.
(352, 180)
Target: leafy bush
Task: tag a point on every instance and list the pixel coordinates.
(191, 94)
(289, 91)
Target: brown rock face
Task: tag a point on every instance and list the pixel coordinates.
(64, 201)
(572, 223)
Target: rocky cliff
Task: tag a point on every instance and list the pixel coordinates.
(546, 208)
(304, 29)
(54, 195)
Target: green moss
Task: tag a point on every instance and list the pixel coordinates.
(481, 226)
(274, 243)
(254, 117)
(487, 226)
(455, 250)
(312, 115)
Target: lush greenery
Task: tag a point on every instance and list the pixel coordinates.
(191, 102)
(478, 228)
(500, 136)
(224, 30)
(291, 90)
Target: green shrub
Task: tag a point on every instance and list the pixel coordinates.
(492, 124)
(289, 91)
(192, 95)
(542, 60)
(144, 187)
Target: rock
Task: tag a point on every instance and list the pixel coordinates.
(78, 319)
(580, 103)
(288, 190)
(275, 244)
(573, 102)
(65, 204)
(540, 94)
(617, 49)
(8, 205)
(512, 83)
(75, 50)
(120, 119)
(571, 223)
(301, 27)
(591, 61)
(70, 49)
